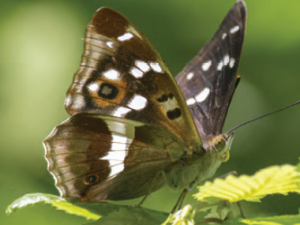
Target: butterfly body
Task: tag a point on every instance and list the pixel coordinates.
(133, 129)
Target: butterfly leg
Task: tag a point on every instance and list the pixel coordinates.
(241, 210)
(140, 203)
(180, 200)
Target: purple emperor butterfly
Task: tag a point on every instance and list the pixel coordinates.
(133, 129)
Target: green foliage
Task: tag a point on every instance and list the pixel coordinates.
(59, 203)
(215, 207)
(272, 180)
(125, 215)
(276, 220)
(110, 213)
(182, 217)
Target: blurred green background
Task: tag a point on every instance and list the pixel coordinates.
(41, 45)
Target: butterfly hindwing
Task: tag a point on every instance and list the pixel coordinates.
(122, 75)
(209, 80)
(88, 152)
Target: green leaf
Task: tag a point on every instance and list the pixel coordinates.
(59, 203)
(272, 180)
(276, 220)
(120, 214)
(185, 216)
(138, 215)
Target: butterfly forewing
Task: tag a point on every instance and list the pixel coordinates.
(209, 80)
(122, 75)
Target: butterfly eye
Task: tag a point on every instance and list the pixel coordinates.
(219, 143)
(90, 179)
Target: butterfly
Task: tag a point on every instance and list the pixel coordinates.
(133, 127)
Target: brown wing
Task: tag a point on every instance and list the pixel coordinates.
(209, 80)
(122, 75)
(98, 157)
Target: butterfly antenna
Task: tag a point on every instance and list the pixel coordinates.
(268, 114)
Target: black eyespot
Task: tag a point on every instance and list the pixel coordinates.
(174, 114)
(91, 179)
(171, 95)
(108, 91)
(163, 98)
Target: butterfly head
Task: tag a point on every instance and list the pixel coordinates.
(222, 144)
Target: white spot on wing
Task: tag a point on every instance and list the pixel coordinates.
(226, 60)
(121, 111)
(125, 36)
(142, 65)
(110, 44)
(68, 100)
(134, 31)
(78, 102)
(231, 63)
(119, 148)
(202, 95)
(190, 76)
(94, 87)
(220, 66)
(224, 36)
(156, 67)
(136, 72)
(119, 139)
(116, 158)
(190, 101)
(115, 169)
(234, 29)
(170, 104)
(112, 74)
(206, 65)
(138, 102)
(117, 127)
